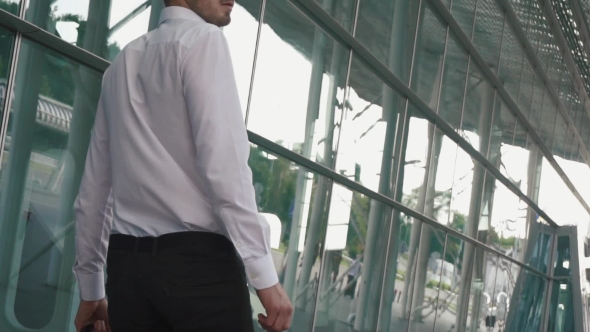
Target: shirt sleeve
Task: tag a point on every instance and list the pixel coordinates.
(223, 149)
(92, 223)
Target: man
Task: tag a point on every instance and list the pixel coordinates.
(170, 141)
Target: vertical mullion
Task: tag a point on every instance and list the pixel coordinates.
(8, 94)
(255, 60)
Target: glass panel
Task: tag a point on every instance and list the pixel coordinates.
(502, 132)
(477, 114)
(429, 57)
(10, 6)
(548, 122)
(128, 21)
(506, 275)
(563, 262)
(487, 36)
(298, 86)
(442, 167)
(74, 20)
(354, 259)
(527, 314)
(464, 13)
(559, 136)
(287, 199)
(241, 36)
(483, 286)
(368, 129)
(48, 134)
(453, 85)
(456, 286)
(429, 284)
(534, 115)
(343, 11)
(561, 312)
(511, 62)
(6, 44)
(525, 91)
(419, 144)
(398, 283)
(388, 30)
(508, 227)
(463, 177)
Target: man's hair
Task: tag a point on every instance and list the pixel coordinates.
(167, 2)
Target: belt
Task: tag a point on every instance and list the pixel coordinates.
(200, 241)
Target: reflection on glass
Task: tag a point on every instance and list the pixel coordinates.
(539, 94)
(453, 84)
(6, 44)
(387, 29)
(102, 27)
(419, 144)
(502, 132)
(464, 12)
(561, 311)
(344, 14)
(508, 223)
(463, 177)
(297, 234)
(368, 129)
(430, 49)
(454, 293)
(241, 36)
(298, 88)
(352, 275)
(563, 257)
(548, 116)
(525, 92)
(10, 6)
(478, 109)
(430, 276)
(443, 167)
(500, 301)
(128, 21)
(526, 313)
(47, 138)
(511, 62)
(483, 287)
(487, 36)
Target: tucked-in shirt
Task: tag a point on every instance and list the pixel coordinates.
(169, 152)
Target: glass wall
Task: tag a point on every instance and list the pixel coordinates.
(441, 159)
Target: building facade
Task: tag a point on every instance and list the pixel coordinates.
(423, 164)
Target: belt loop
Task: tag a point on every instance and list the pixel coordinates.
(155, 247)
(136, 249)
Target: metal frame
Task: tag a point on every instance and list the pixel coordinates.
(329, 25)
(333, 28)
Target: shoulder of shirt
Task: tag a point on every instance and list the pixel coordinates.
(196, 32)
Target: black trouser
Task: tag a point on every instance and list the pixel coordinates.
(192, 281)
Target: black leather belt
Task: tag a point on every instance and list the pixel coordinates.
(200, 241)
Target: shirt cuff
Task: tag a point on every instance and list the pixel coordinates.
(261, 272)
(91, 286)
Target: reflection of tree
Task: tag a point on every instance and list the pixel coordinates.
(277, 180)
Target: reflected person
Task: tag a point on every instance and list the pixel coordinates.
(185, 236)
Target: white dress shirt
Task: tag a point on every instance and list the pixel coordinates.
(170, 140)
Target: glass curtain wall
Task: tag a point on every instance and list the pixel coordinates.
(413, 181)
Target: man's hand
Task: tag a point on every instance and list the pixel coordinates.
(279, 310)
(93, 313)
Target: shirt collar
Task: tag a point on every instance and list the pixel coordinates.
(177, 12)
